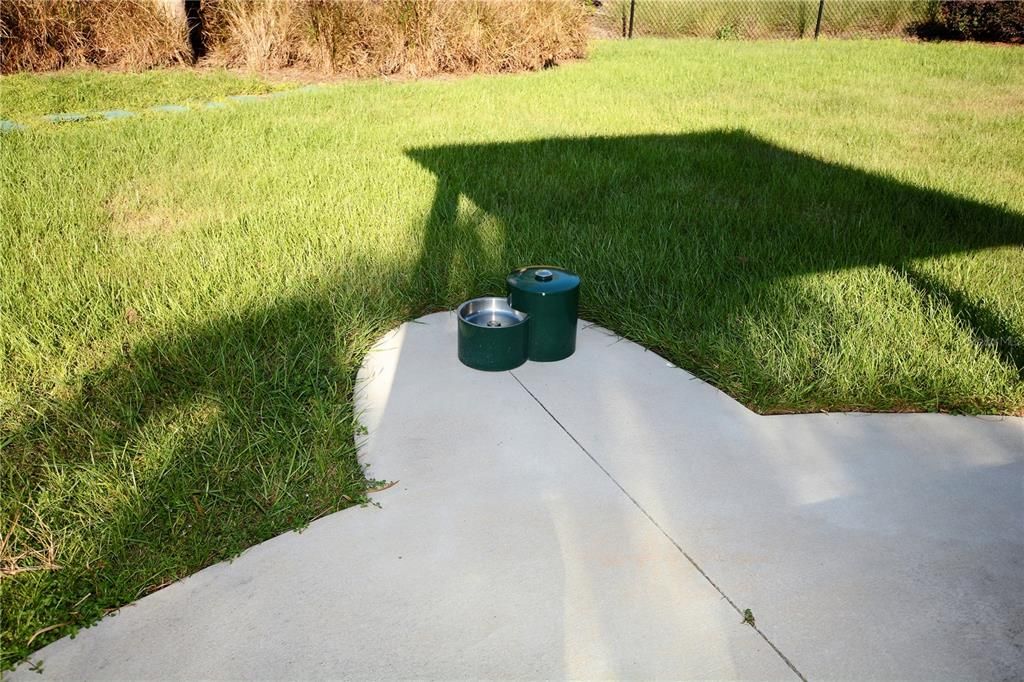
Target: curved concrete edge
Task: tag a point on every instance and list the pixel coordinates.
(609, 516)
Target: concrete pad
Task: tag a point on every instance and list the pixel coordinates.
(867, 546)
(65, 118)
(169, 108)
(502, 552)
(115, 114)
(610, 516)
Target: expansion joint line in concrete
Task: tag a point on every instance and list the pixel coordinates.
(657, 525)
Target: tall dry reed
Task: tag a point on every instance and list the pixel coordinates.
(375, 37)
(41, 35)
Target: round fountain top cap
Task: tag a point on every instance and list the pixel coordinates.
(542, 279)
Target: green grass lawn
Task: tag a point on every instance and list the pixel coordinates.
(186, 298)
(26, 96)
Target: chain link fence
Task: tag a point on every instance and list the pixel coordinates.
(753, 19)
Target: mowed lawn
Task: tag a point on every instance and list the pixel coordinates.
(185, 298)
(26, 96)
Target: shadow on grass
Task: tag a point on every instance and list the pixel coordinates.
(989, 329)
(187, 450)
(684, 241)
(196, 445)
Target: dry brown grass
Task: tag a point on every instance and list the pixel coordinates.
(42, 35)
(27, 547)
(357, 37)
(383, 37)
(153, 208)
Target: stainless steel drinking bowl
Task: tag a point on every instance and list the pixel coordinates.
(492, 335)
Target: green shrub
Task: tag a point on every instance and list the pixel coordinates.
(983, 20)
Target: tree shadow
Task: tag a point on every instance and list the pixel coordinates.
(690, 237)
(186, 450)
(446, 234)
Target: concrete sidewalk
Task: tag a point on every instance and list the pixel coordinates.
(610, 516)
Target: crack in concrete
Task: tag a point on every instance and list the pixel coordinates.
(657, 525)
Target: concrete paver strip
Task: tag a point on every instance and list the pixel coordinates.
(538, 526)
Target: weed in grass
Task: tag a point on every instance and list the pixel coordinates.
(727, 32)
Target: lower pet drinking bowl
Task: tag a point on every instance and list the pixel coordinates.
(492, 335)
